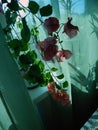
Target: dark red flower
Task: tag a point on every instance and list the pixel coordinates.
(40, 45)
(63, 55)
(70, 29)
(50, 52)
(61, 96)
(49, 41)
(51, 87)
(64, 98)
(50, 48)
(56, 95)
(51, 24)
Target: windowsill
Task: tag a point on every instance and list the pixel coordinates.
(92, 122)
(37, 94)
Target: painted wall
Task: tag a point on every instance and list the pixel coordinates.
(15, 92)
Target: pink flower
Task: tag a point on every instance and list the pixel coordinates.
(70, 29)
(62, 55)
(51, 24)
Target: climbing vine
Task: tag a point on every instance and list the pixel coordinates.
(33, 62)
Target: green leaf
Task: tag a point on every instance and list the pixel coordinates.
(25, 32)
(41, 66)
(48, 76)
(19, 25)
(30, 78)
(60, 76)
(65, 84)
(35, 71)
(32, 54)
(13, 5)
(15, 43)
(46, 10)
(18, 45)
(58, 87)
(25, 59)
(23, 46)
(34, 31)
(54, 69)
(14, 16)
(8, 17)
(33, 6)
(42, 80)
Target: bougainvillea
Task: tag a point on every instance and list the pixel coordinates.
(36, 70)
(70, 29)
(62, 55)
(59, 95)
(49, 48)
(51, 24)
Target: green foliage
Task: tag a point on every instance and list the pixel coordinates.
(41, 65)
(33, 68)
(46, 10)
(13, 6)
(60, 76)
(33, 6)
(10, 17)
(34, 31)
(54, 69)
(25, 59)
(33, 73)
(65, 84)
(13, 17)
(19, 25)
(17, 46)
(58, 86)
(25, 32)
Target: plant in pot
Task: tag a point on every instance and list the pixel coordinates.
(34, 55)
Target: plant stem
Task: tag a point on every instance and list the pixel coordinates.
(30, 12)
(52, 74)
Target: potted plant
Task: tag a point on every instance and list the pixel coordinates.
(34, 55)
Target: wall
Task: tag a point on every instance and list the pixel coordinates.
(14, 91)
(58, 117)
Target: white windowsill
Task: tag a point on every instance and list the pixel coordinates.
(37, 94)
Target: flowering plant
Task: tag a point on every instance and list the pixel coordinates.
(34, 62)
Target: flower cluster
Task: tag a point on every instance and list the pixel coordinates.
(59, 95)
(49, 46)
(51, 24)
(70, 29)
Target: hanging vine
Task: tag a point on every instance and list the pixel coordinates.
(34, 62)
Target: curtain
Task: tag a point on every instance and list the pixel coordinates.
(80, 69)
(84, 46)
